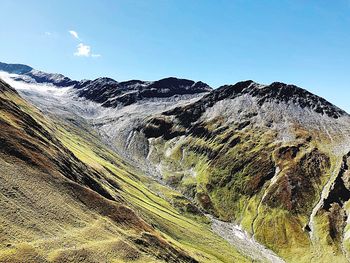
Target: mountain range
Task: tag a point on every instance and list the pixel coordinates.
(170, 171)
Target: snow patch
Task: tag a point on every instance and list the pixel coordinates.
(49, 89)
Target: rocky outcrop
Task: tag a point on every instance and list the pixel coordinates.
(274, 93)
(58, 80)
(111, 93)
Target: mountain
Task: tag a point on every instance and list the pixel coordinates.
(244, 172)
(30, 75)
(107, 91)
(66, 197)
(273, 159)
(94, 101)
(15, 68)
(110, 93)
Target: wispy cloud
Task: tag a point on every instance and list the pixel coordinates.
(74, 34)
(85, 51)
(50, 35)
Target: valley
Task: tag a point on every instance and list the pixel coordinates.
(170, 171)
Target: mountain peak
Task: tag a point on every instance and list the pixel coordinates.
(15, 68)
(275, 94)
(111, 93)
(279, 92)
(28, 74)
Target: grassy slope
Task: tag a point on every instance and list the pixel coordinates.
(186, 230)
(230, 172)
(45, 216)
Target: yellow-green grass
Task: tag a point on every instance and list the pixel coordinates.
(277, 228)
(46, 217)
(193, 236)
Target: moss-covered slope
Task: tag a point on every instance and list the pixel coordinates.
(265, 157)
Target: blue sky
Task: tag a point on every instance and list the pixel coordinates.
(306, 43)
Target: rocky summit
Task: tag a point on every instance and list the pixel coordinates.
(110, 93)
(170, 170)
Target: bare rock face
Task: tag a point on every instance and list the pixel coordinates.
(58, 80)
(340, 191)
(276, 93)
(111, 93)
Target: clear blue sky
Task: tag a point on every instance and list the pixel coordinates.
(295, 41)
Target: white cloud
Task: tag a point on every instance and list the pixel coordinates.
(74, 34)
(48, 33)
(85, 51)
